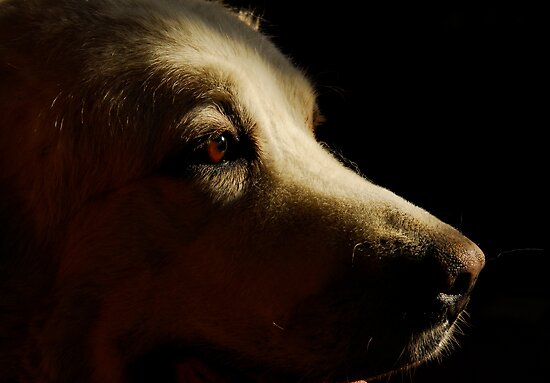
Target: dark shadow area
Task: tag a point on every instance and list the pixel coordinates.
(444, 106)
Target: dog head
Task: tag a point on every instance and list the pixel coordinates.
(169, 212)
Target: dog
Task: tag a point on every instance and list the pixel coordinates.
(169, 216)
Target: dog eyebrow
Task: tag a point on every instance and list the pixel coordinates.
(218, 106)
(214, 87)
(224, 100)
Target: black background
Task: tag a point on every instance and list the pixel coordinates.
(446, 106)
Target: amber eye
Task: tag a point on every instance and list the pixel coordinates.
(217, 147)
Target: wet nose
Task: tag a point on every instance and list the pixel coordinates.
(441, 277)
(457, 263)
(427, 283)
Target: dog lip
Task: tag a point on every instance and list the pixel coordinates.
(454, 304)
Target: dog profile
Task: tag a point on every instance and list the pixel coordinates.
(168, 215)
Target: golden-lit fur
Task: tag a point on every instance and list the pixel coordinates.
(128, 251)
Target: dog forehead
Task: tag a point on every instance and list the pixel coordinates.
(188, 47)
(236, 59)
(207, 40)
(197, 48)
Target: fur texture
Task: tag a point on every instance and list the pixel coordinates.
(167, 212)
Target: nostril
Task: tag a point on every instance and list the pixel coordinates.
(461, 285)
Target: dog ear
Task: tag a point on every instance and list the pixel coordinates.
(249, 18)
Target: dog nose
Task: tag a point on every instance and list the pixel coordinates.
(442, 277)
(457, 265)
(426, 283)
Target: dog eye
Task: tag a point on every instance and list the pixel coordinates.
(221, 148)
(216, 148)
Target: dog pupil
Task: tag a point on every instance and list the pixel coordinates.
(221, 141)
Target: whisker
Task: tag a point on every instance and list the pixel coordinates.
(517, 250)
